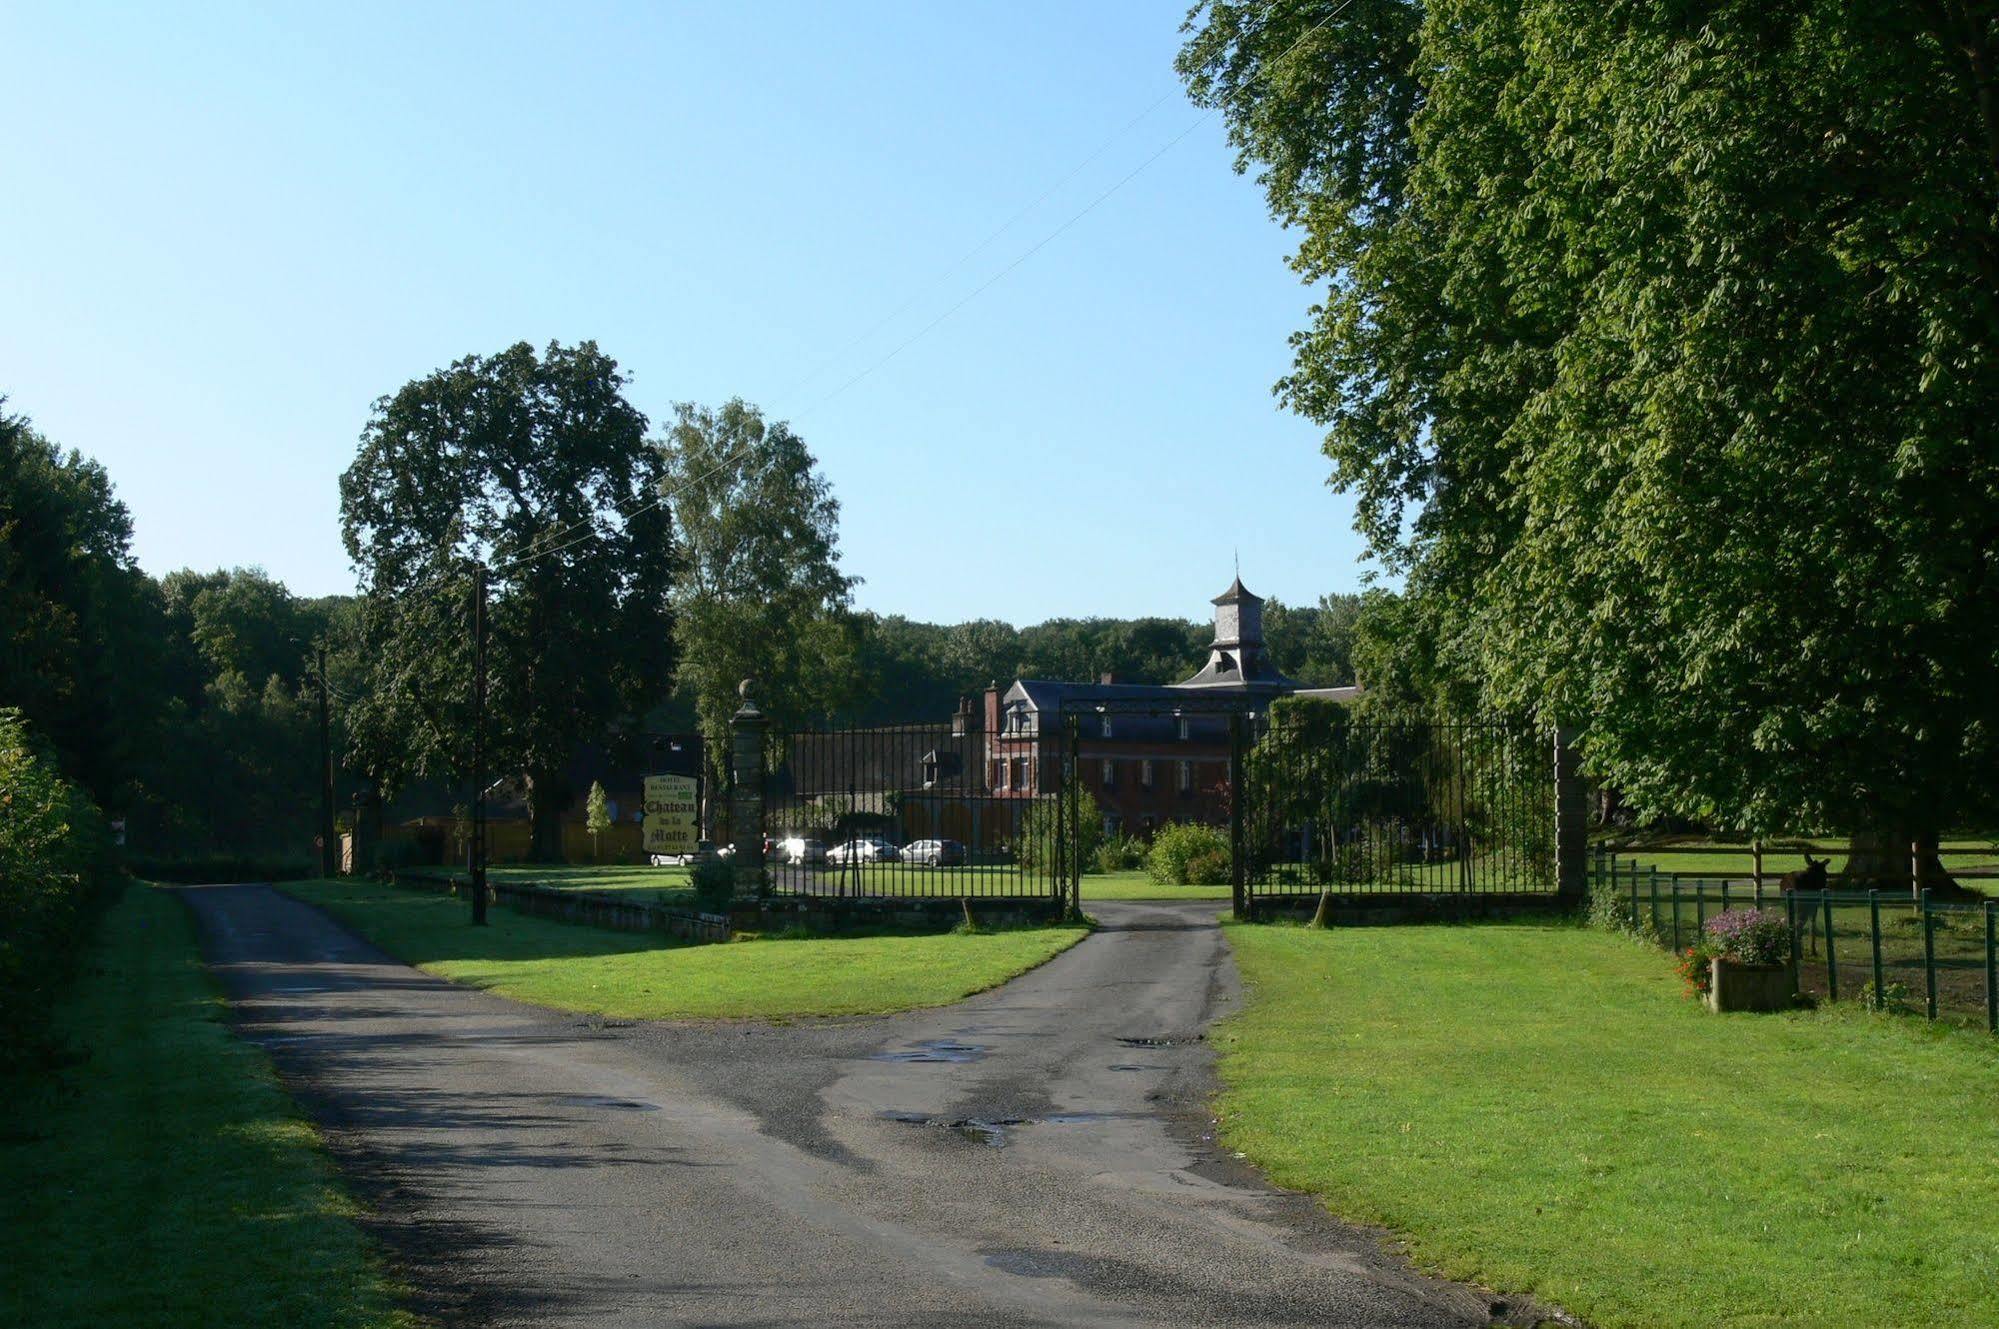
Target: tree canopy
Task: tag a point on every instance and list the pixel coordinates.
(537, 465)
(760, 593)
(1657, 344)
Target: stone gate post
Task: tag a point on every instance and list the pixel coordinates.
(747, 728)
(1571, 821)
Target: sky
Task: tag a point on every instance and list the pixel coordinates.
(231, 229)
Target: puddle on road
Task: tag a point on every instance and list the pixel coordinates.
(1163, 1042)
(932, 1051)
(1141, 1066)
(993, 1130)
(608, 1104)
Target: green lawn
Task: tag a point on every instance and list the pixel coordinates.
(642, 976)
(165, 1179)
(1538, 1109)
(1134, 884)
(1740, 863)
(659, 885)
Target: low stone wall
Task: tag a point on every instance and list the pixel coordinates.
(819, 913)
(597, 910)
(1382, 910)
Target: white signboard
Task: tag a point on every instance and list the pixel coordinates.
(673, 814)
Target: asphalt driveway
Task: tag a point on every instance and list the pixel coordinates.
(1036, 1155)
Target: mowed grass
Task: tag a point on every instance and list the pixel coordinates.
(164, 1179)
(659, 885)
(643, 976)
(1538, 1109)
(1689, 857)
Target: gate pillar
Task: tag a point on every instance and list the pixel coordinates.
(747, 727)
(1571, 821)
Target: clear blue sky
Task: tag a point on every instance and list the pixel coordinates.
(230, 229)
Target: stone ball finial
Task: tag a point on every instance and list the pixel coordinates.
(747, 689)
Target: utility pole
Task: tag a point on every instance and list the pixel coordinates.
(329, 854)
(476, 852)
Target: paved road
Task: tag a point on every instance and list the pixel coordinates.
(1033, 1156)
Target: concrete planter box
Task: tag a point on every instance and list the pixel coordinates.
(1734, 986)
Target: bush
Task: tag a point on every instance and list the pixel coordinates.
(1208, 867)
(1172, 859)
(56, 866)
(714, 881)
(1045, 822)
(1119, 853)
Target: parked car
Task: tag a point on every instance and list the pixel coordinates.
(934, 853)
(802, 849)
(873, 849)
(704, 850)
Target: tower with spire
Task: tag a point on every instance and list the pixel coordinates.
(1236, 657)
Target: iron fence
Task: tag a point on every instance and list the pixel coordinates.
(912, 811)
(1463, 807)
(1892, 950)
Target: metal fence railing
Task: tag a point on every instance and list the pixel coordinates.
(921, 811)
(1464, 807)
(1889, 949)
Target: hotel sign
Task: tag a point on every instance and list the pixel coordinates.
(673, 814)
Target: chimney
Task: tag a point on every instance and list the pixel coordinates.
(1107, 678)
(993, 707)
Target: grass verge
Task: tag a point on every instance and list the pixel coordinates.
(164, 1179)
(1538, 1109)
(643, 976)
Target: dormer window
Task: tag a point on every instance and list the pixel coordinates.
(1107, 726)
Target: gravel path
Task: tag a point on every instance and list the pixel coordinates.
(1036, 1155)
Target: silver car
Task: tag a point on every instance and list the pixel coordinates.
(802, 849)
(855, 852)
(934, 853)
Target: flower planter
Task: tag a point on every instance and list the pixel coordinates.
(1734, 986)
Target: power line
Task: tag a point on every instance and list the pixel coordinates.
(530, 554)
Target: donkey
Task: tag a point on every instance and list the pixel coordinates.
(1811, 877)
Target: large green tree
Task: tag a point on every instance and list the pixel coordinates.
(1657, 342)
(537, 465)
(759, 593)
(79, 622)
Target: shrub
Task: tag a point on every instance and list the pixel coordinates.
(1119, 853)
(1610, 911)
(1170, 861)
(55, 867)
(1208, 867)
(714, 881)
(1045, 822)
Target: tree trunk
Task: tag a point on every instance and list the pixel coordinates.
(1886, 860)
(546, 801)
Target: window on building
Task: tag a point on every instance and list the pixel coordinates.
(1145, 773)
(1020, 773)
(999, 775)
(1106, 726)
(1110, 772)
(1186, 777)
(1148, 823)
(1186, 729)
(1113, 825)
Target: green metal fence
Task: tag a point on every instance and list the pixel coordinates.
(1891, 950)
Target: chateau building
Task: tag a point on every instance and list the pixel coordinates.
(1150, 754)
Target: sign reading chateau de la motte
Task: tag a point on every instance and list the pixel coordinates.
(672, 824)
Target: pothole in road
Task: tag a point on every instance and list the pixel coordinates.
(993, 1130)
(1163, 1042)
(933, 1050)
(1140, 1066)
(606, 1103)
